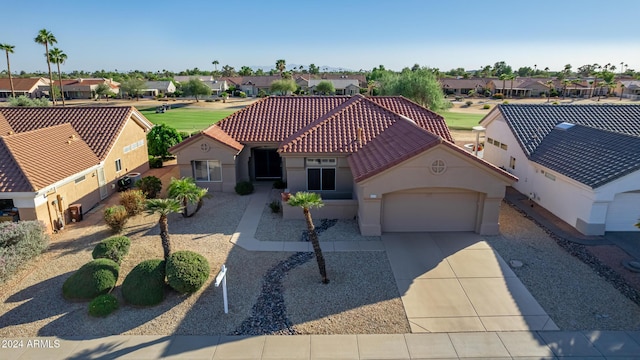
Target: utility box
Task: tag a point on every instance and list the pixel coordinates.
(75, 212)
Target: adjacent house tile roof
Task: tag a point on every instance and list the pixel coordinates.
(21, 84)
(212, 132)
(97, 126)
(591, 156)
(260, 81)
(159, 85)
(60, 152)
(337, 83)
(462, 83)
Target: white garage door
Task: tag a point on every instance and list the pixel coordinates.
(623, 212)
(429, 211)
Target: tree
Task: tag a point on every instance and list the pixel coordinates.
(228, 71)
(325, 87)
(313, 69)
(504, 78)
(283, 87)
(46, 38)
(58, 57)
(164, 207)
(306, 201)
(500, 68)
(103, 90)
(525, 71)
(420, 86)
(281, 65)
(196, 87)
(511, 77)
(371, 86)
(549, 84)
(187, 192)
(215, 65)
(9, 49)
(245, 71)
(160, 138)
(133, 87)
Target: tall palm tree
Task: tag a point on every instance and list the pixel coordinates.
(549, 84)
(503, 77)
(511, 77)
(187, 192)
(46, 38)
(164, 207)
(307, 200)
(281, 65)
(9, 49)
(215, 64)
(58, 57)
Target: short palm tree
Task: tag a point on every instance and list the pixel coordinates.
(187, 192)
(307, 200)
(9, 49)
(46, 38)
(164, 207)
(58, 57)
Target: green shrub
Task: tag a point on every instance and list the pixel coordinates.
(468, 103)
(486, 106)
(144, 286)
(155, 162)
(262, 93)
(555, 103)
(242, 94)
(103, 305)
(133, 201)
(94, 278)
(244, 188)
(187, 271)
(20, 242)
(498, 96)
(184, 134)
(116, 217)
(505, 102)
(279, 184)
(275, 206)
(150, 186)
(114, 248)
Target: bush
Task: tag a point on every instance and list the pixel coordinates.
(555, 103)
(498, 96)
(133, 201)
(150, 186)
(279, 184)
(262, 94)
(144, 286)
(244, 188)
(242, 94)
(468, 103)
(155, 162)
(114, 248)
(275, 206)
(505, 102)
(184, 134)
(187, 271)
(103, 305)
(20, 242)
(116, 217)
(94, 278)
(486, 106)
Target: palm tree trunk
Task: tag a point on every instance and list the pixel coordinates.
(313, 236)
(13, 92)
(185, 212)
(52, 94)
(164, 236)
(61, 88)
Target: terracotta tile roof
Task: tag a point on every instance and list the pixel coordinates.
(5, 128)
(451, 83)
(60, 153)
(19, 84)
(97, 126)
(212, 132)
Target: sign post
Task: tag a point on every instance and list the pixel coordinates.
(222, 277)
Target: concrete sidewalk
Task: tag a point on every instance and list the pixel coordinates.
(487, 345)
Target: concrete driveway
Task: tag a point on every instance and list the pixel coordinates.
(455, 282)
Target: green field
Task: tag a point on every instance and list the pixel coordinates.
(187, 120)
(461, 121)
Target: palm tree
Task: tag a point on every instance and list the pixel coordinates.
(503, 77)
(58, 57)
(511, 77)
(9, 49)
(281, 65)
(549, 84)
(215, 64)
(164, 207)
(46, 38)
(621, 91)
(186, 191)
(307, 200)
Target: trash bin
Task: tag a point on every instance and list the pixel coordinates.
(124, 183)
(75, 211)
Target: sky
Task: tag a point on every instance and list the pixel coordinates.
(356, 34)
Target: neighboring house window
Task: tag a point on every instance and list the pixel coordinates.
(496, 143)
(490, 141)
(126, 149)
(207, 170)
(512, 163)
(140, 143)
(80, 179)
(321, 173)
(118, 165)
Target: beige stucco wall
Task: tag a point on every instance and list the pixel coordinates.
(136, 160)
(332, 209)
(296, 175)
(217, 151)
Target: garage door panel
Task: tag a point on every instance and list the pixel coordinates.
(424, 211)
(623, 212)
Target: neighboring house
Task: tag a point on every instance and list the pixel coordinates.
(629, 89)
(252, 85)
(386, 161)
(342, 86)
(522, 87)
(155, 88)
(51, 158)
(580, 162)
(32, 88)
(84, 88)
(217, 86)
(463, 86)
(186, 78)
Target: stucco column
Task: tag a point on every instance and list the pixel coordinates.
(370, 217)
(489, 224)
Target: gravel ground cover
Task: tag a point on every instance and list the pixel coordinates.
(574, 295)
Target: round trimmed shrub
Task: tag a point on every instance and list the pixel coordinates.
(244, 188)
(114, 248)
(187, 271)
(94, 278)
(144, 285)
(103, 305)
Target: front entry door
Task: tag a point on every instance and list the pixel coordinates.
(268, 164)
(102, 183)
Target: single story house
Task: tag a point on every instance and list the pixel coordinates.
(386, 161)
(462, 87)
(155, 88)
(186, 78)
(580, 162)
(626, 88)
(83, 88)
(342, 86)
(31, 87)
(51, 158)
(217, 86)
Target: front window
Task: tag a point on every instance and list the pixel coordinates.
(321, 173)
(207, 170)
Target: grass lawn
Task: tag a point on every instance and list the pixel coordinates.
(188, 120)
(461, 121)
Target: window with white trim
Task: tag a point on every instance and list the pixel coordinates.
(126, 149)
(321, 174)
(118, 165)
(207, 170)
